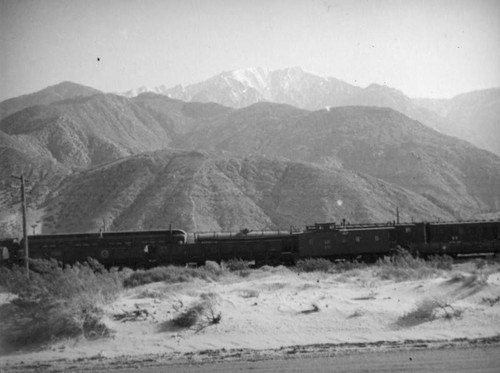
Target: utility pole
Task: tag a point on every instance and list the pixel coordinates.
(25, 230)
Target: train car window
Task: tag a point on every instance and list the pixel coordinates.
(377, 238)
(408, 230)
(327, 245)
(358, 238)
(311, 241)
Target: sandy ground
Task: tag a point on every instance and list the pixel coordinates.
(279, 312)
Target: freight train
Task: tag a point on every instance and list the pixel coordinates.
(333, 241)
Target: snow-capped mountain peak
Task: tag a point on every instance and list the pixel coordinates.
(243, 87)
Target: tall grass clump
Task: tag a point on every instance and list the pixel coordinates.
(237, 265)
(325, 265)
(211, 271)
(314, 265)
(56, 302)
(404, 266)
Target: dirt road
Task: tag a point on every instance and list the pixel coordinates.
(456, 360)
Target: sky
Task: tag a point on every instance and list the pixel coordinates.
(425, 48)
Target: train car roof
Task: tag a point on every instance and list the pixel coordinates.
(320, 227)
(209, 236)
(464, 222)
(107, 234)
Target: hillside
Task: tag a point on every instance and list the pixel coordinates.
(375, 141)
(42, 173)
(48, 143)
(88, 130)
(58, 92)
(199, 191)
(178, 115)
(474, 116)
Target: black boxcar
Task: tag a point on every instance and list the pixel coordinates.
(262, 247)
(460, 238)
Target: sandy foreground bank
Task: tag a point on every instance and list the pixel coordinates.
(276, 313)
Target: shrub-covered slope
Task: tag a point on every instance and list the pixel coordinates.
(376, 141)
(199, 191)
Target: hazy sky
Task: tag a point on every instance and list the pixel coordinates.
(426, 48)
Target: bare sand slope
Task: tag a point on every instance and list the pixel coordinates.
(272, 308)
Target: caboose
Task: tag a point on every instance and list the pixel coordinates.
(344, 241)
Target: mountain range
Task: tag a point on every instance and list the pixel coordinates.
(146, 161)
(471, 116)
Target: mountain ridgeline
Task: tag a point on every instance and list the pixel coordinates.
(472, 116)
(150, 160)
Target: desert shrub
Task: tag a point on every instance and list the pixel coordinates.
(193, 316)
(348, 265)
(172, 274)
(404, 266)
(237, 265)
(213, 268)
(189, 317)
(429, 310)
(56, 302)
(314, 265)
(441, 261)
(424, 312)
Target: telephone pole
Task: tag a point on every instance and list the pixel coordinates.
(25, 230)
